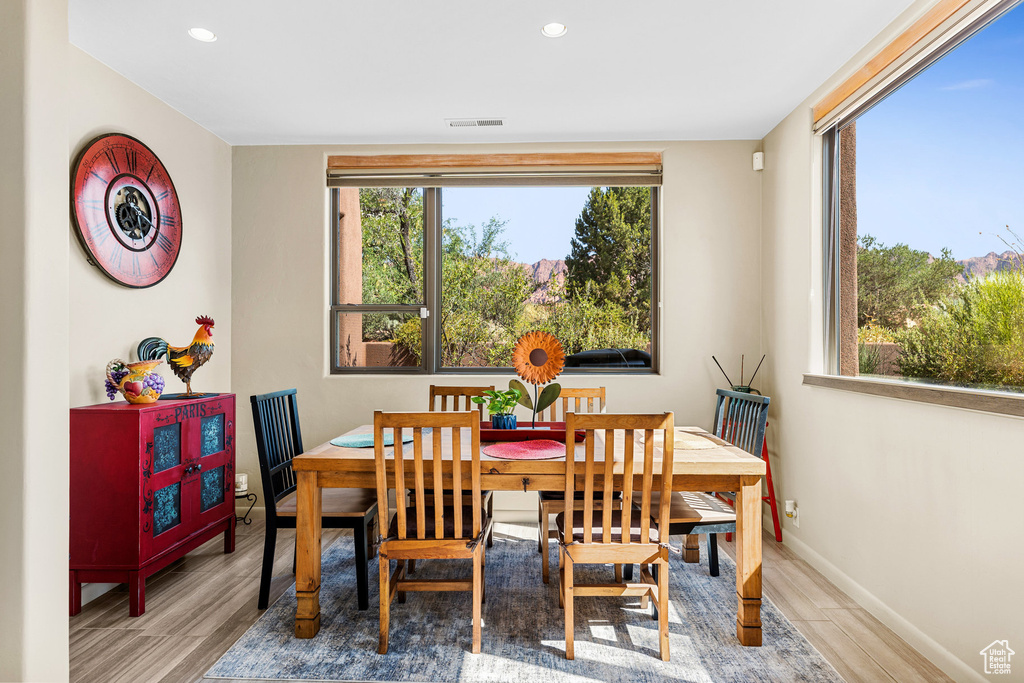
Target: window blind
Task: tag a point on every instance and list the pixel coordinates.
(468, 170)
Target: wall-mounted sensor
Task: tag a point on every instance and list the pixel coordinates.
(758, 161)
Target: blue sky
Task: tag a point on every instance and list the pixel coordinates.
(942, 159)
(540, 220)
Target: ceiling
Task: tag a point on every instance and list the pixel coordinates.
(340, 71)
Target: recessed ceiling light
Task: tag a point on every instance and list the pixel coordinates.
(554, 30)
(205, 35)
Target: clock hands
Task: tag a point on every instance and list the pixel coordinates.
(133, 220)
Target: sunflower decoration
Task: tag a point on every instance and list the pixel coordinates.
(538, 357)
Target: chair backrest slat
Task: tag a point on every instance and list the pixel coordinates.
(588, 488)
(740, 419)
(456, 393)
(575, 406)
(610, 426)
(442, 424)
(606, 498)
(275, 418)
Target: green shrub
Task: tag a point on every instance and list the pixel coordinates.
(975, 337)
(869, 359)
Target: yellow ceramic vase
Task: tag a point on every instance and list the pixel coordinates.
(140, 385)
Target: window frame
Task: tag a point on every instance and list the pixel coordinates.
(433, 289)
(831, 116)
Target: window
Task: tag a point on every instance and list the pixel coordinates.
(924, 256)
(446, 278)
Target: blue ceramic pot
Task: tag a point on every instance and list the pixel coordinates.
(503, 421)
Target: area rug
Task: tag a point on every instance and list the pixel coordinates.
(523, 631)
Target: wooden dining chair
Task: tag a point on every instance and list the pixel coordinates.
(550, 502)
(430, 529)
(618, 532)
(440, 395)
(278, 441)
(740, 419)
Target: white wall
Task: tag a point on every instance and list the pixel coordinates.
(913, 509)
(710, 279)
(108, 320)
(34, 341)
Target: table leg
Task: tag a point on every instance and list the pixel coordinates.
(748, 561)
(307, 568)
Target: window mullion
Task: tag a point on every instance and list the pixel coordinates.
(432, 278)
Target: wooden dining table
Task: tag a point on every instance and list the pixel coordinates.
(722, 467)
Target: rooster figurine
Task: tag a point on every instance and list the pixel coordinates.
(184, 360)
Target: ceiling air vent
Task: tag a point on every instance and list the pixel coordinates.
(473, 123)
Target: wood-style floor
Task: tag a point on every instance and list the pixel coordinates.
(199, 606)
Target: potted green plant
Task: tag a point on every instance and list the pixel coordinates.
(500, 405)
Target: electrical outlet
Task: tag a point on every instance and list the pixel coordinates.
(793, 512)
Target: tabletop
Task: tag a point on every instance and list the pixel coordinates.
(722, 459)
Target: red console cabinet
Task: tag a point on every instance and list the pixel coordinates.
(149, 483)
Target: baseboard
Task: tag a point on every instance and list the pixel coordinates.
(952, 665)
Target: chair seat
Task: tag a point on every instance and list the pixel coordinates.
(693, 507)
(336, 503)
(429, 526)
(597, 522)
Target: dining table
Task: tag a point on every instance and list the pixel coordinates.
(716, 466)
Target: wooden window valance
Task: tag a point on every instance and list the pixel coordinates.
(448, 170)
(947, 24)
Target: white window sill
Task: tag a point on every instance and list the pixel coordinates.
(1001, 403)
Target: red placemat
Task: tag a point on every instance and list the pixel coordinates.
(539, 449)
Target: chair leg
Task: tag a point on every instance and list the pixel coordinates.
(269, 547)
(385, 603)
(663, 611)
(478, 593)
(410, 568)
(645, 598)
(561, 576)
(362, 571)
(618, 573)
(398, 570)
(713, 554)
(570, 652)
(490, 513)
(545, 572)
(542, 532)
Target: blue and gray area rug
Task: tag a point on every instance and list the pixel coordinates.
(523, 632)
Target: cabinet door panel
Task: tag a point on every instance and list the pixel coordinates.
(164, 515)
(166, 508)
(166, 447)
(212, 489)
(215, 490)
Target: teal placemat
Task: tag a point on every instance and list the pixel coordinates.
(366, 440)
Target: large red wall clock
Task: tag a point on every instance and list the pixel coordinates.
(125, 210)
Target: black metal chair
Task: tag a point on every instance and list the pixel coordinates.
(740, 419)
(278, 441)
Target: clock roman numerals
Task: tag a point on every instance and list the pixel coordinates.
(164, 242)
(163, 195)
(131, 158)
(112, 160)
